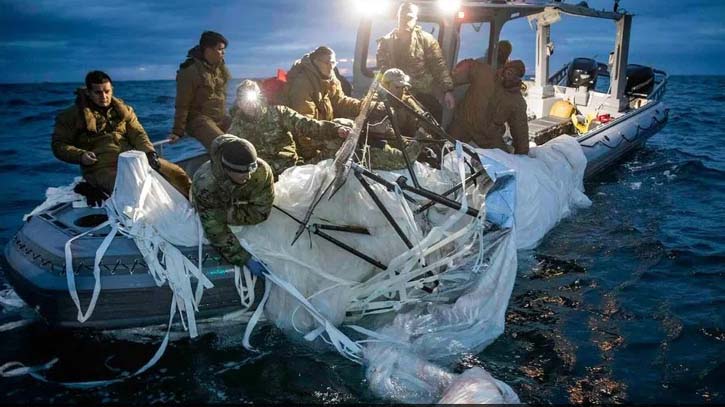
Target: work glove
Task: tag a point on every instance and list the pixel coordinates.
(153, 159)
(94, 195)
(256, 267)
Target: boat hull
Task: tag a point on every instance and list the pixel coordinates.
(605, 146)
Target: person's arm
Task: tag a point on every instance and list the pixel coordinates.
(519, 127)
(259, 206)
(298, 124)
(136, 134)
(63, 140)
(382, 55)
(462, 72)
(300, 97)
(436, 63)
(185, 88)
(343, 105)
(214, 222)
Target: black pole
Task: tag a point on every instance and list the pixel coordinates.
(423, 208)
(383, 209)
(315, 229)
(396, 131)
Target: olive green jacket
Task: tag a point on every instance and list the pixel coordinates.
(84, 127)
(200, 90)
(508, 106)
(313, 96)
(422, 60)
(278, 132)
(222, 203)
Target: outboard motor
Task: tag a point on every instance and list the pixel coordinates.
(640, 80)
(582, 72)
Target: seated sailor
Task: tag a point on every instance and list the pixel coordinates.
(233, 188)
(201, 87)
(492, 101)
(385, 151)
(99, 127)
(274, 128)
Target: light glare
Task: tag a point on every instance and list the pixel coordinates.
(449, 6)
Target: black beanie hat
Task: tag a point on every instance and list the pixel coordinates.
(210, 39)
(239, 156)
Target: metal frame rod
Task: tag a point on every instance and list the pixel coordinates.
(347, 228)
(315, 229)
(396, 131)
(383, 209)
(426, 206)
(401, 181)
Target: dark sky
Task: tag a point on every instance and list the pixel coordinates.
(60, 40)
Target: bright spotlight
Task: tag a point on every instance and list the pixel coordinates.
(250, 96)
(449, 6)
(370, 8)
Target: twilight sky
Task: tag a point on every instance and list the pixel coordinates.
(60, 40)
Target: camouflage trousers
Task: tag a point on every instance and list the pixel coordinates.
(389, 158)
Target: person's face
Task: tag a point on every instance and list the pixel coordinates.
(239, 178)
(101, 94)
(249, 102)
(215, 55)
(326, 64)
(510, 74)
(396, 89)
(407, 20)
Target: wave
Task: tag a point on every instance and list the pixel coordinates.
(164, 99)
(38, 117)
(17, 102)
(718, 98)
(58, 103)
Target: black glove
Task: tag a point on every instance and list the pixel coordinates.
(153, 159)
(94, 195)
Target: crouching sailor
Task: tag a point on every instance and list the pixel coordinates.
(95, 130)
(233, 188)
(274, 128)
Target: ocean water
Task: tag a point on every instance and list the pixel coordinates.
(622, 302)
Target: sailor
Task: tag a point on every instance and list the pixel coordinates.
(201, 84)
(274, 129)
(493, 101)
(313, 90)
(233, 188)
(99, 127)
(418, 54)
(385, 151)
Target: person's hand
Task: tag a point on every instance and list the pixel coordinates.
(88, 158)
(449, 100)
(153, 159)
(343, 131)
(173, 138)
(256, 267)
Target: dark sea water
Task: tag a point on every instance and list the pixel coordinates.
(622, 302)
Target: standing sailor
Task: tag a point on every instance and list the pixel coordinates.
(233, 188)
(201, 84)
(419, 55)
(99, 127)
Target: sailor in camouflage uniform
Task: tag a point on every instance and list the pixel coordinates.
(233, 188)
(383, 155)
(276, 130)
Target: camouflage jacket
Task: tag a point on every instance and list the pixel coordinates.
(311, 95)
(200, 90)
(222, 203)
(279, 132)
(422, 59)
(83, 127)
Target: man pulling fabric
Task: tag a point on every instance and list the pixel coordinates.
(278, 131)
(233, 188)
